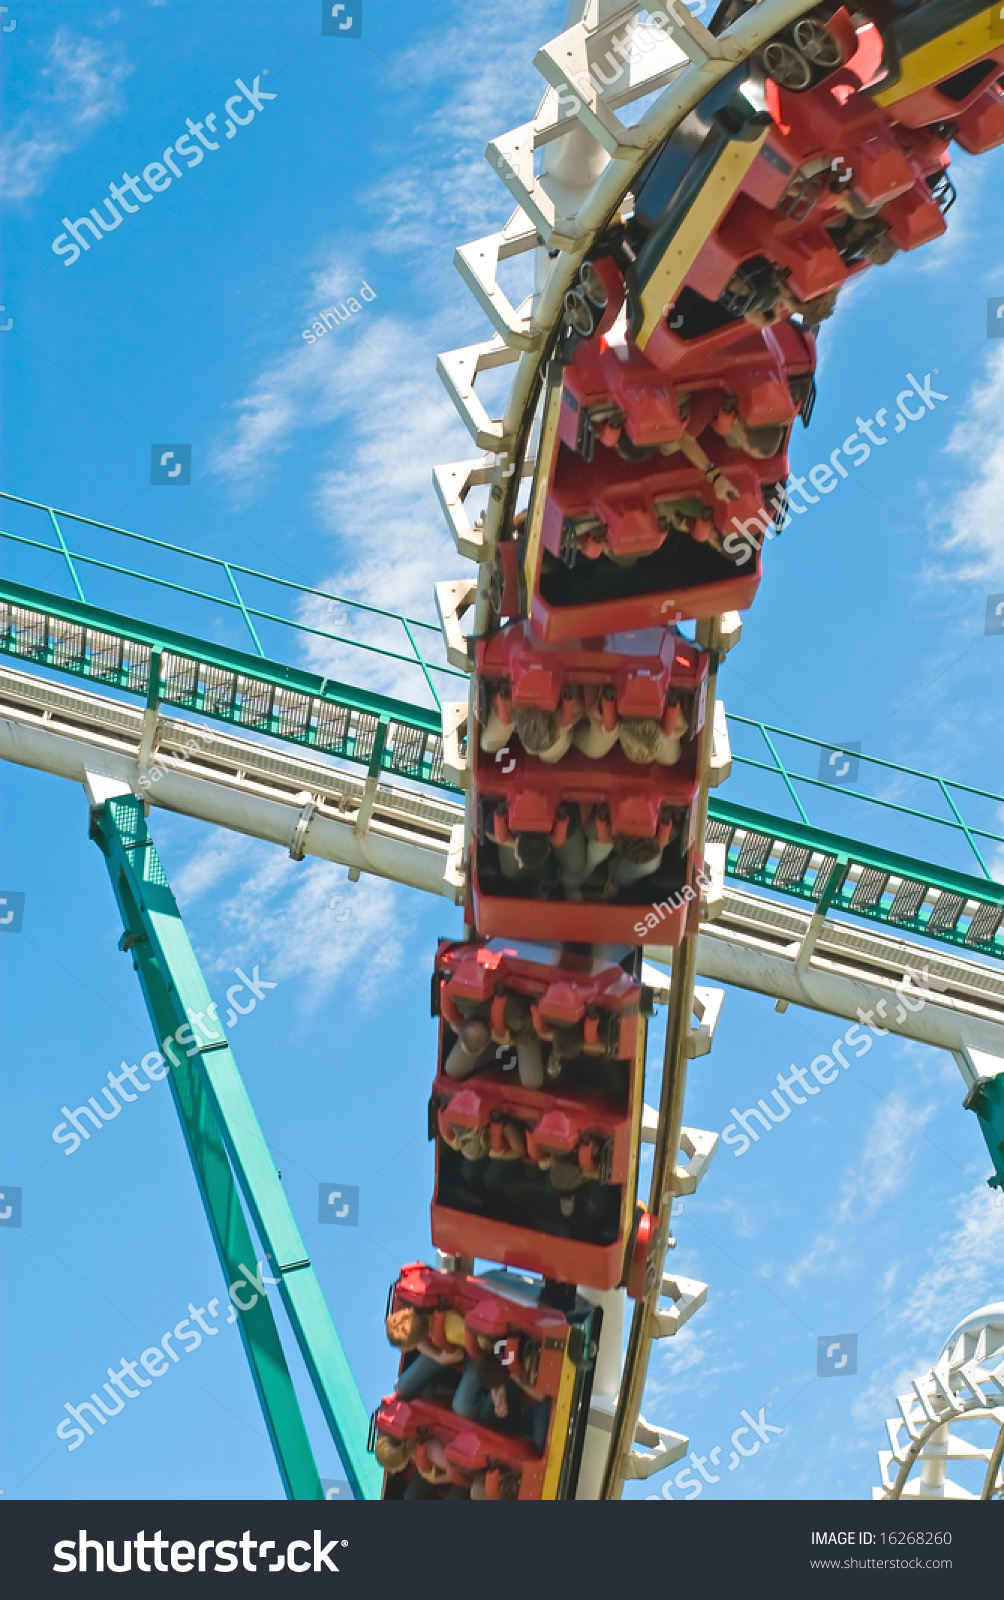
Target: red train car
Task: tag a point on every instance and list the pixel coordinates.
(536, 1109)
(599, 811)
(522, 1379)
(660, 572)
(615, 395)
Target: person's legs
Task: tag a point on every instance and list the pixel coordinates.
(540, 1416)
(572, 856)
(624, 873)
(495, 1176)
(419, 1489)
(469, 1389)
(416, 1377)
(530, 1062)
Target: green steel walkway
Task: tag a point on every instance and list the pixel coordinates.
(166, 666)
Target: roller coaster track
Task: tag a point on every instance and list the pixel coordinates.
(965, 1385)
(399, 817)
(285, 792)
(393, 738)
(610, 158)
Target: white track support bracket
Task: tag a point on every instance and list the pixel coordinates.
(453, 600)
(458, 370)
(687, 1296)
(453, 483)
(692, 36)
(309, 803)
(707, 1009)
(368, 799)
(453, 873)
(696, 1144)
(511, 156)
(658, 981)
(456, 765)
(699, 1147)
(713, 896)
(149, 738)
(665, 1447)
(728, 632)
(721, 750)
(478, 264)
(808, 943)
(564, 63)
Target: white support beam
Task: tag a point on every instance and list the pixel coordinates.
(453, 483)
(415, 837)
(565, 63)
(252, 786)
(458, 370)
(756, 942)
(454, 599)
(478, 264)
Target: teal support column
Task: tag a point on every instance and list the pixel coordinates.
(986, 1098)
(226, 1143)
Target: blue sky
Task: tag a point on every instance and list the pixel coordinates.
(870, 1213)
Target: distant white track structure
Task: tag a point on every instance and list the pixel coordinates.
(964, 1387)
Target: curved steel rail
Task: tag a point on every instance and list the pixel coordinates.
(709, 60)
(966, 1384)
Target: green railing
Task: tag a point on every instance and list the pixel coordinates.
(839, 874)
(800, 859)
(232, 598)
(170, 668)
(947, 789)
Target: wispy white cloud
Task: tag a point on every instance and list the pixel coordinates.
(386, 421)
(961, 1273)
(280, 914)
(977, 443)
(222, 854)
(84, 80)
(877, 1177)
(369, 389)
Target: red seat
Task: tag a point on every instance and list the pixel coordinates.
(805, 248)
(563, 988)
(639, 669)
(619, 505)
(950, 100)
(755, 365)
(981, 126)
(469, 1446)
(674, 577)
